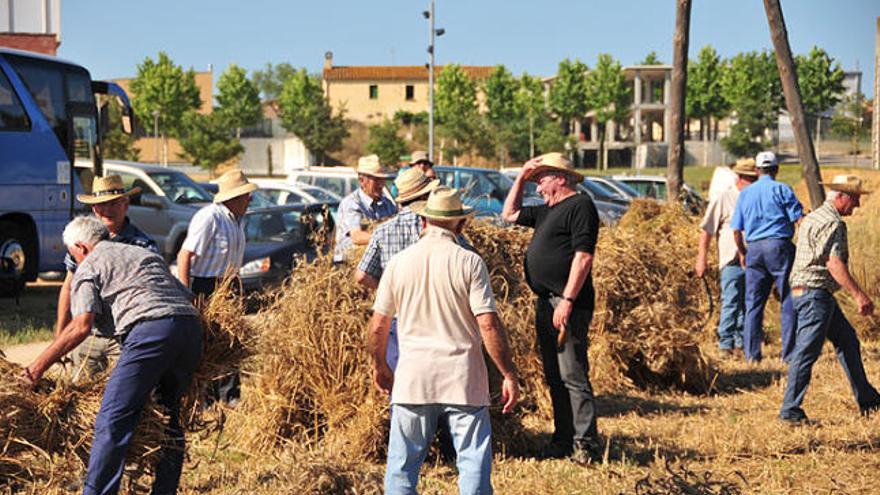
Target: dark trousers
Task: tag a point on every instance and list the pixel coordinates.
(203, 286)
(768, 261)
(156, 354)
(567, 373)
(820, 318)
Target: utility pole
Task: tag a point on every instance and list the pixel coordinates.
(429, 14)
(156, 132)
(875, 116)
(675, 154)
(794, 103)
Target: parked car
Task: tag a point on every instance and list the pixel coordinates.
(167, 202)
(484, 189)
(211, 187)
(338, 180)
(651, 186)
(600, 192)
(281, 193)
(621, 188)
(275, 236)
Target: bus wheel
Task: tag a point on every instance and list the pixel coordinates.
(13, 250)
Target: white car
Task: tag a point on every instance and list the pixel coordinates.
(338, 180)
(282, 193)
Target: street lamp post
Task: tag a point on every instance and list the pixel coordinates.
(429, 14)
(156, 132)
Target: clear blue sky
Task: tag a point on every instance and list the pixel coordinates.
(112, 37)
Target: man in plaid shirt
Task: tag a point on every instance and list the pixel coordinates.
(820, 268)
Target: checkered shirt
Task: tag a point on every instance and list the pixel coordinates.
(822, 234)
(388, 239)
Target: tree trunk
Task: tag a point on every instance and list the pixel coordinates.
(706, 142)
(531, 136)
(818, 134)
(793, 102)
(675, 157)
(600, 153)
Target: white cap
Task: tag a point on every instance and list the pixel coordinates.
(766, 159)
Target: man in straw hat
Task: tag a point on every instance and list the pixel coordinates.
(214, 244)
(161, 339)
(419, 159)
(366, 204)
(109, 201)
(446, 313)
(765, 216)
(558, 267)
(820, 268)
(716, 223)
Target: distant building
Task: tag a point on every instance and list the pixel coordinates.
(852, 87)
(32, 25)
(371, 93)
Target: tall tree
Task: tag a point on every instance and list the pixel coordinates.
(502, 113)
(705, 98)
(651, 59)
(306, 112)
(162, 90)
(532, 106)
(270, 80)
(207, 142)
(608, 94)
(456, 111)
(568, 94)
(384, 140)
(238, 99)
(677, 97)
(750, 84)
(821, 82)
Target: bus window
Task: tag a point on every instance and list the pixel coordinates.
(84, 137)
(12, 114)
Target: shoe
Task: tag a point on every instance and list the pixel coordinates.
(799, 421)
(584, 456)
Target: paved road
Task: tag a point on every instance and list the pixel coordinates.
(25, 353)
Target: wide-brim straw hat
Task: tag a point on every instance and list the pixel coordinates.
(443, 204)
(556, 162)
(413, 183)
(233, 184)
(369, 165)
(106, 189)
(745, 166)
(419, 156)
(849, 184)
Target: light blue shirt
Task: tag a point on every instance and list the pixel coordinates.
(353, 208)
(767, 209)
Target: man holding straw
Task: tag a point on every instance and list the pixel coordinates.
(446, 313)
(160, 335)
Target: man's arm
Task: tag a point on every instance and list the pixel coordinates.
(359, 236)
(366, 279)
(740, 247)
(495, 341)
(513, 202)
(184, 263)
(72, 335)
(63, 314)
(840, 272)
(577, 274)
(702, 252)
(377, 341)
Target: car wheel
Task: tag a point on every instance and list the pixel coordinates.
(16, 250)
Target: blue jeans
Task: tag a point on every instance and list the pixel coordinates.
(733, 306)
(819, 317)
(156, 354)
(768, 261)
(412, 430)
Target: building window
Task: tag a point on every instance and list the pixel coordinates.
(410, 92)
(374, 92)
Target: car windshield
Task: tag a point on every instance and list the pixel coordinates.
(629, 190)
(597, 191)
(321, 195)
(180, 188)
(272, 225)
(260, 199)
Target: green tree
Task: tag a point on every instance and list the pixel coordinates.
(851, 120)
(502, 113)
(456, 111)
(651, 59)
(270, 80)
(531, 109)
(207, 142)
(705, 97)
(116, 144)
(609, 95)
(568, 94)
(384, 140)
(306, 112)
(820, 79)
(751, 85)
(164, 87)
(238, 99)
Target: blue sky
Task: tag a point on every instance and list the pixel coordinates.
(112, 37)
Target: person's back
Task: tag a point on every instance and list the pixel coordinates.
(766, 209)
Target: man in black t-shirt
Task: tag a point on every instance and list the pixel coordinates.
(558, 270)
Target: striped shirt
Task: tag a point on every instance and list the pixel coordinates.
(353, 209)
(132, 282)
(217, 240)
(822, 234)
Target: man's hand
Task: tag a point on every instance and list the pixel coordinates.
(27, 379)
(529, 168)
(742, 259)
(383, 378)
(509, 393)
(866, 306)
(561, 314)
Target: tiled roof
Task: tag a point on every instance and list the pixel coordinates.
(395, 72)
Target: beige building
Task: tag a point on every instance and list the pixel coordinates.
(371, 93)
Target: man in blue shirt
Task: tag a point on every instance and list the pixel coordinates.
(364, 206)
(765, 215)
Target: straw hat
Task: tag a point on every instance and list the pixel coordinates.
(106, 189)
(412, 183)
(419, 156)
(443, 204)
(745, 166)
(849, 184)
(233, 184)
(766, 159)
(556, 162)
(369, 165)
